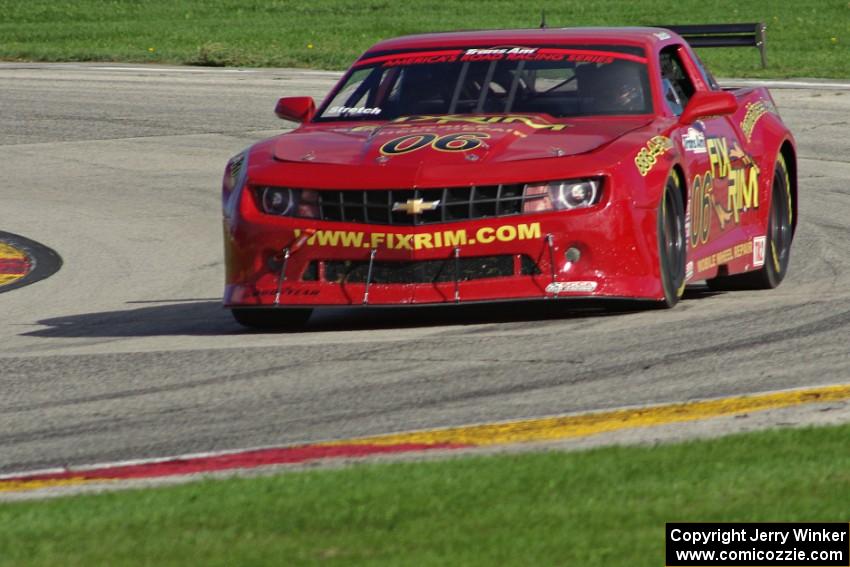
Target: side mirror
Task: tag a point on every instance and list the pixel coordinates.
(295, 108)
(708, 103)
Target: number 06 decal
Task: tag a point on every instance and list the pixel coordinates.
(461, 142)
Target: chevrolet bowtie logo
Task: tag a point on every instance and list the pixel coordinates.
(415, 206)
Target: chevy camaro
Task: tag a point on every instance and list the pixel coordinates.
(511, 165)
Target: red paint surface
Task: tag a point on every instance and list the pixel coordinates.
(617, 237)
(14, 266)
(244, 460)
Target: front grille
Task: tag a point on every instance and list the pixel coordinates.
(430, 271)
(455, 204)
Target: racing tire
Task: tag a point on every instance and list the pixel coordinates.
(270, 319)
(672, 244)
(780, 233)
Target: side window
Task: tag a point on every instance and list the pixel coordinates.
(359, 91)
(678, 88)
(706, 74)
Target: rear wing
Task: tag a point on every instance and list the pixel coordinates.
(725, 35)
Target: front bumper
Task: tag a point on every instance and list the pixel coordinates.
(284, 262)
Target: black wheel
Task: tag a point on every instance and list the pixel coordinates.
(780, 233)
(271, 319)
(671, 242)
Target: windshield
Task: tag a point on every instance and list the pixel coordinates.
(556, 81)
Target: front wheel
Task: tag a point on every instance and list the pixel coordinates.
(671, 242)
(780, 232)
(271, 319)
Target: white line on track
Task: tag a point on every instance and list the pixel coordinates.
(172, 70)
(212, 71)
(129, 68)
(149, 461)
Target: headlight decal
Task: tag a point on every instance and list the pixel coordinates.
(235, 175)
(561, 195)
(288, 202)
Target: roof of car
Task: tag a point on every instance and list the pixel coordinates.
(607, 36)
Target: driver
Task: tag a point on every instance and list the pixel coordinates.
(423, 88)
(614, 87)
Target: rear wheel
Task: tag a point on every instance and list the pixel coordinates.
(270, 319)
(780, 232)
(671, 242)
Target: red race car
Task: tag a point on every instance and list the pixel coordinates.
(507, 165)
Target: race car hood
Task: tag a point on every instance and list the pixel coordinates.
(443, 140)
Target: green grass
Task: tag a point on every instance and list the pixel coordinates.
(604, 507)
(805, 39)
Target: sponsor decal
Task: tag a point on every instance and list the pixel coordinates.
(742, 177)
(353, 110)
(648, 156)
(535, 54)
(498, 51)
(536, 122)
(662, 35)
(689, 271)
(755, 110)
(694, 141)
(574, 287)
(423, 240)
(759, 250)
(500, 54)
(422, 58)
(460, 142)
(726, 256)
(287, 291)
(735, 170)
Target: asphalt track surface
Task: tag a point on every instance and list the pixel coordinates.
(126, 353)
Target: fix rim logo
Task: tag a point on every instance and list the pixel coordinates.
(535, 122)
(732, 169)
(423, 240)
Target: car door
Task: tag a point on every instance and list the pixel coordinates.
(722, 177)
